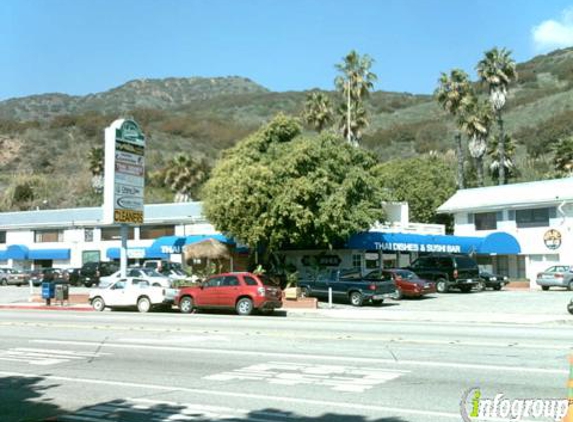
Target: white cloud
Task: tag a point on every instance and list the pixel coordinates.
(554, 34)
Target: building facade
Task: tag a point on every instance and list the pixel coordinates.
(539, 215)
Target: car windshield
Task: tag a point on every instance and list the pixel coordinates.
(406, 275)
(150, 272)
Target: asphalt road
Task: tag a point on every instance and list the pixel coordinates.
(125, 366)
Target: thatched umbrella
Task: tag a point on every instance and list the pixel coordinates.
(209, 249)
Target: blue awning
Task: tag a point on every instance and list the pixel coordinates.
(199, 237)
(496, 243)
(166, 245)
(136, 253)
(17, 252)
(3, 256)
(49, 254)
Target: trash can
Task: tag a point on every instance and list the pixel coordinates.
(48, 291)
(62, 292)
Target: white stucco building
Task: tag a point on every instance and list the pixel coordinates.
(539, 215)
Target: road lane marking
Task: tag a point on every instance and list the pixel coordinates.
(257, 397)
(335, 377)
(45, 357)
(275, 355)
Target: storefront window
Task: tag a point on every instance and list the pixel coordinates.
(88, 235)
(2, 237)
(357, 260)
(41, 236)
(486, 221)
(537, 217)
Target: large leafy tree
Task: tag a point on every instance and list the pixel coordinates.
(497, 70)
(354, 84)
(278, 189)
(184, 176)
(476, 122)
(317, 111)
(452, 92)
(424, 182)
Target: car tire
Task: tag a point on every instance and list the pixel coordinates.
(98, 304)
(356, 299)
(304, 292)
(398, 295)
(498, 287)
(88, 284)
(186, 305)
(143, 304)
(466, 289)
(481, 287)
(570, 287)
(442, 285)
(244, 306)
(378, 302)
(570, 307)
(4, 282)
(544, 288)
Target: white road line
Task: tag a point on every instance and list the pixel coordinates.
(394, 363)
(45, 356)
(260, 398)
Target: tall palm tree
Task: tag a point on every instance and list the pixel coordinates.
(355, 83)
(476, 122)
(317, 110)
(509, 166)
(451, 94)
(96, 163)
(184, 176)
(497, 69)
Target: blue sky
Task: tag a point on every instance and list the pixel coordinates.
(86, 46)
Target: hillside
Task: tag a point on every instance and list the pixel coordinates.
(45, 139)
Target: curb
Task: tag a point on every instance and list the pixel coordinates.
(48, 308)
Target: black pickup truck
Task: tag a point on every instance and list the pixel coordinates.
(347, 285)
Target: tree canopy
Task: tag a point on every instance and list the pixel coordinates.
(424, 182)
(278, 189)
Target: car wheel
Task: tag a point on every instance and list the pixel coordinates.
(244, 306)
(570, 287)
(498, 287)
(570, 307)
(544, 288)
(481, 287)
(378, 302)
(356, 299)
(466, 289)
(98, 304)
(186, 305)
(143, 304)
(398, 295)
(304, 292)
(88, 284)
(442, 285)
(4, 282)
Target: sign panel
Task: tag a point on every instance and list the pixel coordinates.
(124, 173)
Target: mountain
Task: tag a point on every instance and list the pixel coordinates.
(45, 139)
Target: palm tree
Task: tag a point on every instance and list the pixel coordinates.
(476, 121)
(563, 158)
(354, 84)
(451, 94)
(509, 166)
(317, 110)
(497, 69)
(184, 176)
(96, 160)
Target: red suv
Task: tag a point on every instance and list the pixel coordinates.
(243, 292)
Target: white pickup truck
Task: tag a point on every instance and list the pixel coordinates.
(131, 292)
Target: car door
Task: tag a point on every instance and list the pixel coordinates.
(229, 291)
(115, 295)
(209, 293)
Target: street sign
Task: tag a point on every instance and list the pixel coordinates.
(124, 173)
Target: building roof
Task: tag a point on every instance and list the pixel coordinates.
(517, 195)
(82, 217)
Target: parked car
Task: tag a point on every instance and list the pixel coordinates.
(495, 281)
(243, 292)
(149, 274)
(130, 292)
(10, 276)
(349, 285)
(40, 275)
(173, 270)
(91, 272)
(448, 271)
(74, 276)
(556, 276)
(408, 284)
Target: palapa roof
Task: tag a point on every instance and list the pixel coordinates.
(206, 249)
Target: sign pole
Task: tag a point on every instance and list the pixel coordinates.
(124, 229)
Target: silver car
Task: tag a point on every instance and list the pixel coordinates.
(556, 276)
(9, 276)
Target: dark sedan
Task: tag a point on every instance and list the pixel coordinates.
(494, 281)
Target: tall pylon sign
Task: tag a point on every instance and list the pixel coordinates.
(124, 173)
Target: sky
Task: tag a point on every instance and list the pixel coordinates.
(79, 47)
